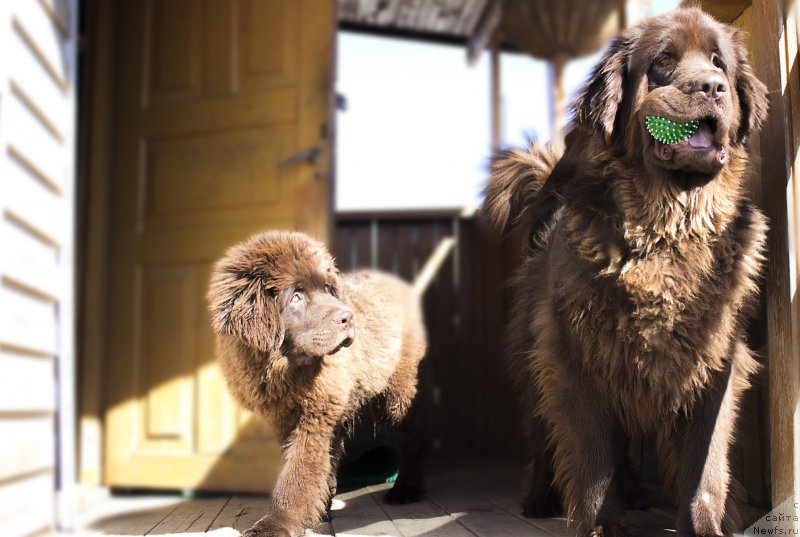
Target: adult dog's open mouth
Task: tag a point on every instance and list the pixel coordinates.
(698, 151)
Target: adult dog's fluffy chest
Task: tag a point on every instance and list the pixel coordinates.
(664, 296)
(667, 312)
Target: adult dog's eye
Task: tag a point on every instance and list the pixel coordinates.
(660, 72)
(717, 61)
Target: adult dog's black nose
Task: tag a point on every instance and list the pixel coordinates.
(343, 317)
(712, 85)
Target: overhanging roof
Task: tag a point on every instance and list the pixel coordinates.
(444, 21)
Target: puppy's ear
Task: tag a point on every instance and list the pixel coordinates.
(752, 93)
(243, 306)
(600, 98)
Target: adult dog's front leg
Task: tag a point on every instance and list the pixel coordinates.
(695, 456)
(588, 450)
(300, 497)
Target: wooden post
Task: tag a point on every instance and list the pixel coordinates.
(780, 205)
(558, 110)
(496, 96)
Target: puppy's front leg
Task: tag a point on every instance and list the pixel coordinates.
(300, 496)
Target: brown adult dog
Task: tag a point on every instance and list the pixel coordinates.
(290, 351)
(641, 263)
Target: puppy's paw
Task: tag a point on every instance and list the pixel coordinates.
(404, 493)
(271, 526)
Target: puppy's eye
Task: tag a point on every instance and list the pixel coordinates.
(664, 61)
(717, 61)
(297, 297)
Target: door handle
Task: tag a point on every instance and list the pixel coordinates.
(309, 155)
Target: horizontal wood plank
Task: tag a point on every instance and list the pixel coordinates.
(27, 384)
(34, 145)
(34, 203)
(28, 446)
(28, 75)
(26, 505)
(26, 321)
(43, 35)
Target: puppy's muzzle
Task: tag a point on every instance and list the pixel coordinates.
(343, 319)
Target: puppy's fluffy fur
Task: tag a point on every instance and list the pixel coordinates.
(642, 261)
(304, 348)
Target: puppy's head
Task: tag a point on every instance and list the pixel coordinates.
(685, 67)
(279, 292)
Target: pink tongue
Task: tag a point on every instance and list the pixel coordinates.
(703, 136)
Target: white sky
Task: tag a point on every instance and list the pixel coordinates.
(416, 132)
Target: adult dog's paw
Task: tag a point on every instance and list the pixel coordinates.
(271, 526)
(542, 506)
(618, 528)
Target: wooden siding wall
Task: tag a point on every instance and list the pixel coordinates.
(474, 412)
(774, 23)
(36, 195)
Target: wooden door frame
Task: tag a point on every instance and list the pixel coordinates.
(95, 170)
(94, 173)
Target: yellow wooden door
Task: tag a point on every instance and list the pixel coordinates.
(211, 96)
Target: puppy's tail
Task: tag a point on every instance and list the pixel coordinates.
(517, 177)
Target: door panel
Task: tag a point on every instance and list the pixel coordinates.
(210, 96)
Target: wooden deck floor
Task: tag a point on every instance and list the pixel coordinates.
(464, 500)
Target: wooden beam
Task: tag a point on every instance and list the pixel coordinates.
(725, 10)
(488, 25)
(496, 96)
(780, 205)
(558, 112)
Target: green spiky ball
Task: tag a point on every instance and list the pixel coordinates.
(667, 131)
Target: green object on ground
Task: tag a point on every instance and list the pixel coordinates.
(668, 131)
(368, 463)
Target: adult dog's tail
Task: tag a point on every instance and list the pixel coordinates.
(513, 196)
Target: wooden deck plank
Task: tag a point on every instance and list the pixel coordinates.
(191, 516)
(362, 514)
(469, 500)
(130, 515)
(421, 518)
(240, 512)
(478, 515)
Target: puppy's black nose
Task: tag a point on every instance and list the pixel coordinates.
(712, 85)
(343, 317)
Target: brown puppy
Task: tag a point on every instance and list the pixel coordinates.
(304, 348)
(642, 261)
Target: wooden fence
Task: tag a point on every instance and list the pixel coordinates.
(473, 410)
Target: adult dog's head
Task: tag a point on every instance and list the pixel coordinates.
(279, 292)
(686, 67)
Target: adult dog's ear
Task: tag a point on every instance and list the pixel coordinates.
(600, 98)
(243, 306)
(752, 93)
